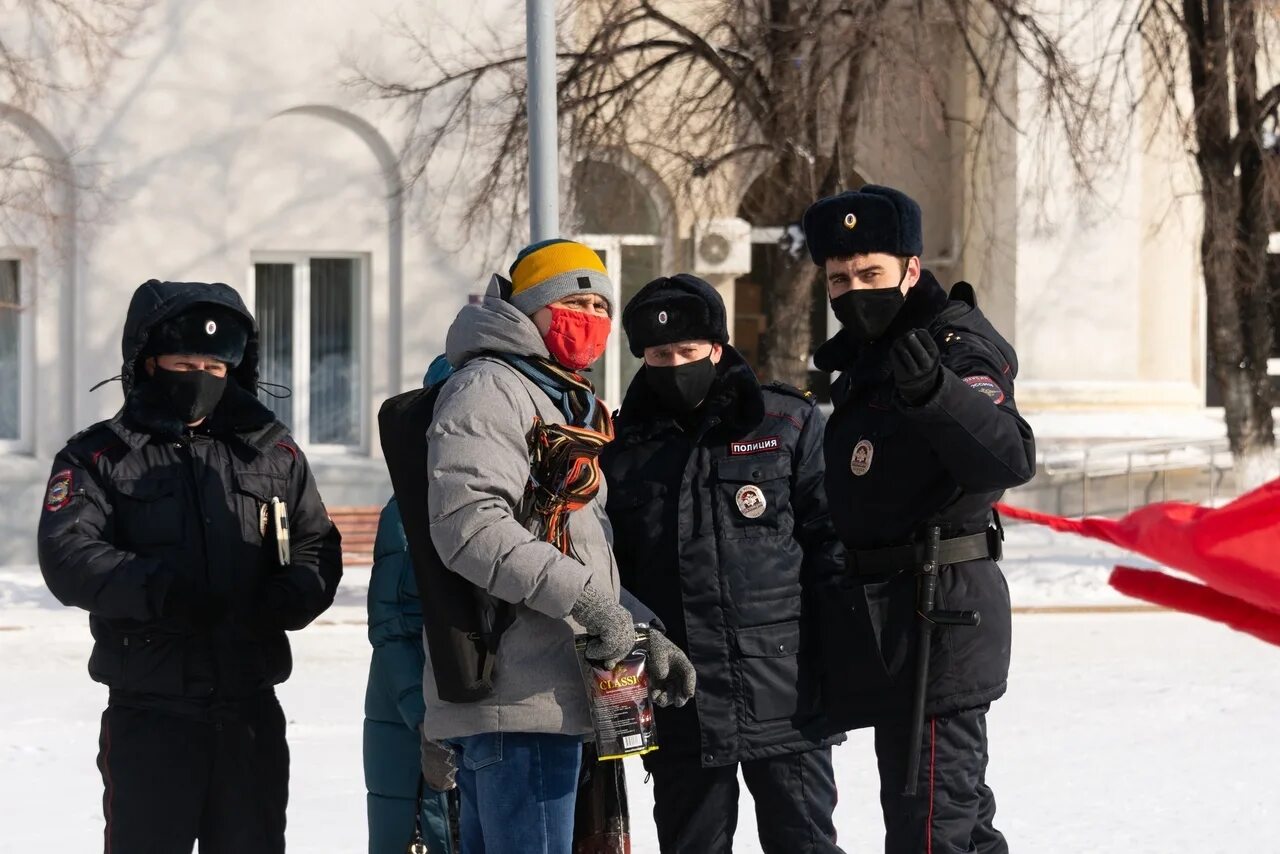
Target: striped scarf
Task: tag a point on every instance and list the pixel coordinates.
(564, 459)
(570, 391)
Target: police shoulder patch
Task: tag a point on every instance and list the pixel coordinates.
(59, 493)
(986, 385)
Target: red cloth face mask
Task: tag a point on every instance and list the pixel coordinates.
(576, 338)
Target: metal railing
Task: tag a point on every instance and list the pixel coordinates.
(1195, 470)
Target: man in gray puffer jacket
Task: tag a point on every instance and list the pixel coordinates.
(515, 357)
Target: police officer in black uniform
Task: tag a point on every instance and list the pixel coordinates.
(190, 528)
(924, 434)
(721, 527)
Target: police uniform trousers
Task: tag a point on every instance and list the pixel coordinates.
(696, 808)
(953, 810)
(170, 779)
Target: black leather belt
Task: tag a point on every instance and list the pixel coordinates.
(889, 560)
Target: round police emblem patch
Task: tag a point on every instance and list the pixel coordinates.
(210, 328)
(662, 317)
(850, 221)
(862, 454)
(751, 502)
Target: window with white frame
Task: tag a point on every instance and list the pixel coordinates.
(310, 311)
(15, 355)
(620, 221)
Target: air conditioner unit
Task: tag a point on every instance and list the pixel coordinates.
(722, 247)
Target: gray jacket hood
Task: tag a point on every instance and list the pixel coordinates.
(493, 326)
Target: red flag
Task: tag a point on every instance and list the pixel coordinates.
(1234, 550)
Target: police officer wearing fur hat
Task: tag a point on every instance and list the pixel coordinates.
(162, 523)
(924, 437)
(721, 526)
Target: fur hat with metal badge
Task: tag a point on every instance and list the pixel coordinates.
(203, 329)
(874, 219)
(674, 308)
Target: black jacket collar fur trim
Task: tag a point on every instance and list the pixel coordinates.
(734, 406)
(239, 415)
(921, 308)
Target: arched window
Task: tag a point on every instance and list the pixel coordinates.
(315, 203)
(15, 349)
(619, 217)
(609, 200)
(37, 224)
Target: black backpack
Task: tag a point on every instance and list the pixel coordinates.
(462, 622)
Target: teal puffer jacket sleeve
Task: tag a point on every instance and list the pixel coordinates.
(395, 619)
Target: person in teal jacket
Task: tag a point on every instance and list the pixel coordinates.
(393, 705)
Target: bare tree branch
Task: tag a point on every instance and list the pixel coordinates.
(778, 89)
(48, 49)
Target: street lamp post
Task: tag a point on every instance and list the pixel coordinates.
(544, 193)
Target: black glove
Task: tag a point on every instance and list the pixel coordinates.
(613, 632)
(917, 367)
(439, 765)
(672, 679)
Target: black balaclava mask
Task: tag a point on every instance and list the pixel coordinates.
(867, 314)
(190, 395)
(681, 388)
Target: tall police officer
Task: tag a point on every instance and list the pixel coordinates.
(162, 524)
(924, 434)
(721, 526)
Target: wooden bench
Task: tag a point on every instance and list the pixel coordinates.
(359, 529)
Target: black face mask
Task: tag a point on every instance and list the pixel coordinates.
(868, 313)
(681, 388)
(191, 395)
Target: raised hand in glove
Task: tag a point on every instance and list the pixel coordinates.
(672, 679)
(917, 367)
(610, 625)
(439, 765)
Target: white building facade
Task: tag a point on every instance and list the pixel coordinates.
(224, 146)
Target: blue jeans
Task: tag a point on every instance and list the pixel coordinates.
(518, 792)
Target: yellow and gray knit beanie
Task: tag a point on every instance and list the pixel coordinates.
(554, 269)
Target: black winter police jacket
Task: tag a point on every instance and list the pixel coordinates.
(141, 509)
(721, 527)
(894, 469)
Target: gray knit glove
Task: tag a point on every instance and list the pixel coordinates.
(439, 765)
(609, 624)
(672, 679)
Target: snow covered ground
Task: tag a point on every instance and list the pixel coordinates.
(1122, 732)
